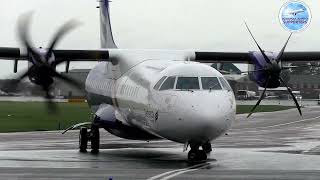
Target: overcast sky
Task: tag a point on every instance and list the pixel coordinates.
(214, 25)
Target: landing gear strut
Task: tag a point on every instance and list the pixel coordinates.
(195, 154)
(93, 135)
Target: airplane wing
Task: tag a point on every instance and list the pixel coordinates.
(246, 57)
(10, 53)
(222, 57)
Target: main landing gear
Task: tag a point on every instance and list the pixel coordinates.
(195, 154)
(93, 135)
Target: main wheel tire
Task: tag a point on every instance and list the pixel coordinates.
(95, 140)
(83, 139)
(202, 155)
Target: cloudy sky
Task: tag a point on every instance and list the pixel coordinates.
(162, 24)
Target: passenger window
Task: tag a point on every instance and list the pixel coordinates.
(156, 87)
(211, 83)
(225, 84)
(169, 83)
(188, 83)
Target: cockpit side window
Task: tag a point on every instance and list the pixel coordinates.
(211, 83)
(156, 87)
(188, 83)
(225, 84)
(168, 83)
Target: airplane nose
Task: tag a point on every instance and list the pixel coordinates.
(209, 121)
(208, 118)
(198, 116)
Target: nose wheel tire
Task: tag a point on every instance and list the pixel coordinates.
(83, 139)
(207, 147)
(197, 155)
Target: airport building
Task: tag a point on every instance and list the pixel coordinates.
(308, 85)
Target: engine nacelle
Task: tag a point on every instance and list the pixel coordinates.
(41, 55)
(258, 75)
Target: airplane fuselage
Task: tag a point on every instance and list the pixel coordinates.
(132, 89)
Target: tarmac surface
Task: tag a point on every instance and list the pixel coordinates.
(277, 145)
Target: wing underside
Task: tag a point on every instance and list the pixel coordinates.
(245, 57)
(9, 53)
(60, 56)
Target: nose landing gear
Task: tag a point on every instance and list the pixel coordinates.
(93, 135)
(207, 147)
(195, 154)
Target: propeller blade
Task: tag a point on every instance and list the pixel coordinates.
(282, 50)
(292, 95)
(260, 99)
(42, 70)
(23, 34)
(63, 30)
(51, 106)
(262, 52)
(68, 80)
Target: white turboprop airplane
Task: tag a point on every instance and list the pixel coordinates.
(152, 94)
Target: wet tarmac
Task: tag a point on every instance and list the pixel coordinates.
(278, 145)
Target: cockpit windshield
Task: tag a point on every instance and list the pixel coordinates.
(187, 83)
(225, 84)
(211, 83)
(192, 83)
(168, 83)
(156, 87)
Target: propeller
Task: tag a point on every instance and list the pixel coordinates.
(42, 70)
(273, 69)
